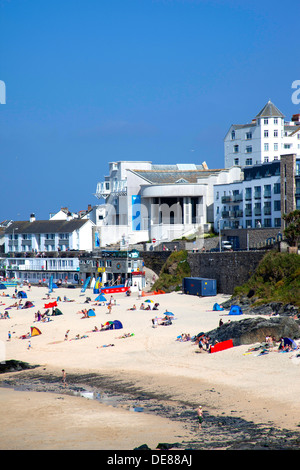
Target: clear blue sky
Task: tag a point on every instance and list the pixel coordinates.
(94, 81)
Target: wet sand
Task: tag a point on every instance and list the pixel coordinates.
(245, 397)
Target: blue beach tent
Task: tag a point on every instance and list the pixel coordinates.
(91, 313)
(22, 295)
(100, 298)
(235, 310)
(217, 307)
(116, 325)
(2, 286)
(290, 342)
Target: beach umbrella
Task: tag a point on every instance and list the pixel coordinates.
(149, 301)
(169, 314)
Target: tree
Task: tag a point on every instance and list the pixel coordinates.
(292, 230)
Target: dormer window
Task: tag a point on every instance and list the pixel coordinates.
(181, 180)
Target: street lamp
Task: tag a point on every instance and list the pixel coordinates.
(220, 238)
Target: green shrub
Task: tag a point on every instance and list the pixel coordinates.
(277, 278)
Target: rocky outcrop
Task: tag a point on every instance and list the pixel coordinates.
(253, 330)
(248, 307)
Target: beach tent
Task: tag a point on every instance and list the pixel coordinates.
(22, 294)
(235, 310)
(290, 342)
(100, 298)
(28, 304)
(2, 286)
(91, 313)
(56, 312)
(35, 331)
(116, 325)
(217, 307)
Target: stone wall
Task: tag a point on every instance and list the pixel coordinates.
(155, 259)
(252, 237)
(230, 269)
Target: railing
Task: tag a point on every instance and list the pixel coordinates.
(106, 188)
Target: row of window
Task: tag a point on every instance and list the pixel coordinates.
(257, 190)
(248, 135)
(248, 149)
(48, 236)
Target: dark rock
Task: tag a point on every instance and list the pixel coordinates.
(253, 330)
(166, 446)
(14, 366)
(142, 447)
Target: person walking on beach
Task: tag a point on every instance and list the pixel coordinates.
(200, 416)
(64, 377)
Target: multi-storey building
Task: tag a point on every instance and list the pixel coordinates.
(48, 235)
(264, 140)
(266, 192)
(40, 269)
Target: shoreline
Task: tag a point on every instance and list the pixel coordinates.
(240, 424)
(248, 401)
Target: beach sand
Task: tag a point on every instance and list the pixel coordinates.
(257, 389)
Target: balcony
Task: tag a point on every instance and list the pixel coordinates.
(237, 198)
(107, 188)
(225, 214)
(226, 199)
(248, 212)
(236, 214)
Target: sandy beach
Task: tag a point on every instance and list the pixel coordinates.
(262, 390)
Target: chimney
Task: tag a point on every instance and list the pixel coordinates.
(32, 218)
(89, 207)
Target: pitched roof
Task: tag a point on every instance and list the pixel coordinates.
(295, 129)
(46, 226)
(270, 110)
(172, 177)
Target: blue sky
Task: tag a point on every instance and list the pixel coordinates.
(94, 81)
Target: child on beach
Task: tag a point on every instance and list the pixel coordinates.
(200, 416)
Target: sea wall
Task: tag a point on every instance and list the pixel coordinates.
(230, 269)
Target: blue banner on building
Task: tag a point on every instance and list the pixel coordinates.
(97, 240)
(136, 212)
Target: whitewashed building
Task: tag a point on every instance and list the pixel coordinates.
(262, 140)
(49, 235)
(146, 202)
(40, 269)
